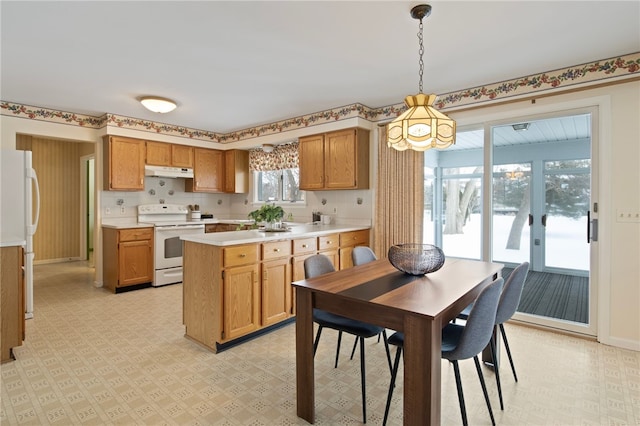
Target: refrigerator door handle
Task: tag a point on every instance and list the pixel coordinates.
(31, 173)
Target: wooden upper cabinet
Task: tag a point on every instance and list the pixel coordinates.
(170, 155)
(335, 160)
(158, 154)
(346, 159)
(208, 171)
(311, 162)
(181, 156)
(236, 171)
(123, 164)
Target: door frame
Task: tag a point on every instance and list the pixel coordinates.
(84, 189)
(593, 327)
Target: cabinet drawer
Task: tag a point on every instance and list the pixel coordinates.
(135, 234)
(304, 246)
(354, 238)
(327, 242)
(240, 255)
(276, 249)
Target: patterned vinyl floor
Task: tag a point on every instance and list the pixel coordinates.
(96, 358)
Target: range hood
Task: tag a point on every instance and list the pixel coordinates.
(168, 172)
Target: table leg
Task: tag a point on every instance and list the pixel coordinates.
(305, 385)
(422, 375)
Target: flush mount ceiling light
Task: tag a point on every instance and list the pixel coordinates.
(520, 127)
(267, 147)
(421, 126)
(156, 104)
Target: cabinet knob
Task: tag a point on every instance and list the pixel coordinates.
(276, 249)
(243, 255)
(304, 246)
(328, 242)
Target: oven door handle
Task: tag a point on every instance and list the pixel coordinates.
(179, 227)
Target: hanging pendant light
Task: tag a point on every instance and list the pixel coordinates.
(421, 126)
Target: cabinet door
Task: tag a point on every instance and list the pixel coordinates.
(12, 301)
(158, 154)
(241, 301)
(236, 171)
(311, 158)
(135, 262)
(340, 159)
(125, 164)
(181, 156)
(333, 257)
(276, 291)
(208, 171)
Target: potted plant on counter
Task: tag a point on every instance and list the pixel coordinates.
(269, 214)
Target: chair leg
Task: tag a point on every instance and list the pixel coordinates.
(484, 389)
(463, 410)
(496, 371)
(363, 381)
(506, 345)
(338, 348)
(386, 348)
(355, 345)
(315, 343)
(392, 384)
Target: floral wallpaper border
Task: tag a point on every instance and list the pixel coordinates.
(617, 68)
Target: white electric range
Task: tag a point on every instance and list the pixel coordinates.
(170, 222)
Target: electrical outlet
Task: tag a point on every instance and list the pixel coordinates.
(107, 211)
(122, 210)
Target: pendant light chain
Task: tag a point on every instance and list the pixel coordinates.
(421, 52)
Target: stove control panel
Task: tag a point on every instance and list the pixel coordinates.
(159, 209)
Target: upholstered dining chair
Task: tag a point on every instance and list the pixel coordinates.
(461, 342)
(320, 264)
(509, 301)
(361, 255)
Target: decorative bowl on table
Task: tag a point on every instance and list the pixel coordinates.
(416, 259)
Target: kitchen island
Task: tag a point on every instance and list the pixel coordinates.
(237, 284)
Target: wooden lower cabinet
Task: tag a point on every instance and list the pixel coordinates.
(127, 257)
(233, 291)
(241, 306)
(276, 291)
(12, 301)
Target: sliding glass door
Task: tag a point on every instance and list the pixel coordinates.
(539, 199)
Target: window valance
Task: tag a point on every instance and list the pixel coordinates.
(282, 157)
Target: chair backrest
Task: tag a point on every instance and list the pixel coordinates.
(362, 254)
(511, 293)
(318, 264)
(480, 324)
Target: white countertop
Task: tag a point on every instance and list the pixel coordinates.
(13, 243)
(124, 223)
(132, 222)
(256, 236)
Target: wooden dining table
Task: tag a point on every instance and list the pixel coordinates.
(418, 306)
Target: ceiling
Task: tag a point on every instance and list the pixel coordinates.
(235, 65)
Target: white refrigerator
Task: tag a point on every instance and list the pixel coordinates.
(18, 214)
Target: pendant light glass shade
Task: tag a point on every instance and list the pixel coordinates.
(155, 104)
(421, 126)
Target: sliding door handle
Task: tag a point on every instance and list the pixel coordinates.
(592, 228)
(530, 219)
(543, 220)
